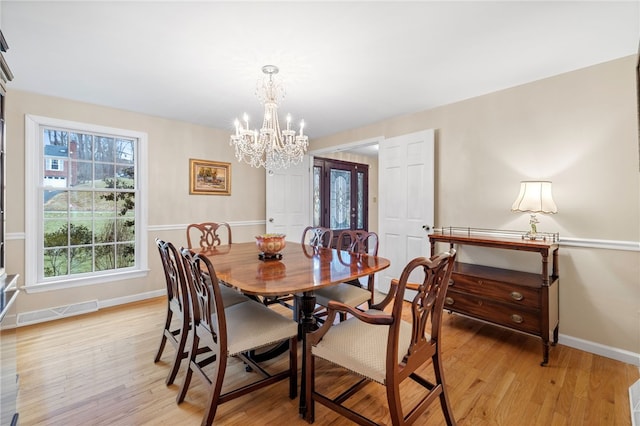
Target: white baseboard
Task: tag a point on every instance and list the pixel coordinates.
(59, 312)
(132, 298)
(622, 355)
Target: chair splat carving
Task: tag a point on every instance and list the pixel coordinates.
(208, 235)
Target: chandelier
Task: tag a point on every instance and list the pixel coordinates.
(269, 147)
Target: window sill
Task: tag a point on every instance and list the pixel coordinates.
(79, 282)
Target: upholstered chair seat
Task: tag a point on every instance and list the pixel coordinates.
(361, 347)
(252, 325)
(346, 293)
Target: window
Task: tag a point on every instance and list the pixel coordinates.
(86, 188)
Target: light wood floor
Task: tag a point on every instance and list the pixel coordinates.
(98, 369)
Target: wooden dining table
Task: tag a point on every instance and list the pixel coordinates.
(301, 270)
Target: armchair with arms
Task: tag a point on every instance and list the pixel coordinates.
(381, 347)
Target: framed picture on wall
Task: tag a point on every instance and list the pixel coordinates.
(209, 177)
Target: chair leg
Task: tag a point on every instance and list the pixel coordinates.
(310, 386)
(214, 391)
(395, 405)
(444, 396)
(191, 359)
(180, 354)
(163, 341)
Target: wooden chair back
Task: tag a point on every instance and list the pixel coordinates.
(208, 235)
(359, 241)
(317, 236)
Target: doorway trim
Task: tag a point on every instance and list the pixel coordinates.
(347, 146)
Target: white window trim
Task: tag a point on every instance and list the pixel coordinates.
(33, 222)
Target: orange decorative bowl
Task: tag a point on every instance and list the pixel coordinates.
(271, 244)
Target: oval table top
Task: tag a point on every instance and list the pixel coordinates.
(302, 268)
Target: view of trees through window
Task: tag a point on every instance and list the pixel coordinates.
(88, 200)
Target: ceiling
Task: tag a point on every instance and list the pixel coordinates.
(343, 64)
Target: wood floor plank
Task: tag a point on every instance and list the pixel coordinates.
(98, 369)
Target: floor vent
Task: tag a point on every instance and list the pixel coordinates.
(50, 314)
(634, 399)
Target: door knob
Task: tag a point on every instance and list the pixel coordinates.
(271, 220)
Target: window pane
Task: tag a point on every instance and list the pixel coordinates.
(80, 232)
(105, 257)
(125, 204)
(81, 260)
(81, 174)
(104, 149)
(81, 146)
(81, 203)
(55, 172)
(126, 255)
(125, 230)
(55, 262)
(105, 230)
(125, 153)
(125, 177)
(104, 175)
(56, 141)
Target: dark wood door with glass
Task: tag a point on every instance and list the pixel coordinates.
(340, 195)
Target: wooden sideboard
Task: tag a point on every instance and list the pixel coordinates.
(522, 301)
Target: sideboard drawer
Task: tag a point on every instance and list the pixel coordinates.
(497, 290)
(508, 315)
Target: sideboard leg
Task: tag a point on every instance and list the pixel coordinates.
(545, 353)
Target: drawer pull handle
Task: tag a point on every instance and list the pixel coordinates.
(448, 300)
(517, 318)
(451, 283)
(516, 295)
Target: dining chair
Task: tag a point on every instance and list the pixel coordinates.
(381, 347)
(352, 293)
(208, 235)
(233, 331)
(176, 329)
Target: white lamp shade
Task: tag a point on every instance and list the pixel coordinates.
(535, 197)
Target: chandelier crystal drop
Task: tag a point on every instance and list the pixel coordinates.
(269, 147)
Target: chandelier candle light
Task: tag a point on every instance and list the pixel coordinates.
(269, 147)
(534, 197)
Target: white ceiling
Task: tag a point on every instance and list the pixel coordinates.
(344, 64)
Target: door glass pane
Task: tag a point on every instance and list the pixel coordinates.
(317, 203)
(340, 202)
(360, 201)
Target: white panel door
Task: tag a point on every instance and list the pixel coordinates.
(406, 193)
(288, 200)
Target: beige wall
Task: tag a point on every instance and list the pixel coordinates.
(579, 130)
(171, 144)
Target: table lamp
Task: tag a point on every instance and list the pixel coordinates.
(534, 197)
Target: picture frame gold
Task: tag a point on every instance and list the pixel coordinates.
(209, 177)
